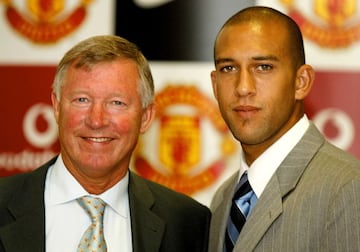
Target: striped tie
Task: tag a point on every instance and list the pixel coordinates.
(242, 204)
(93, 238)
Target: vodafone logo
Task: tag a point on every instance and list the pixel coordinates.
(337, 126)
(40, 130)
(35, 136)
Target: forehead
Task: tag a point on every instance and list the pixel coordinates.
(247, 36)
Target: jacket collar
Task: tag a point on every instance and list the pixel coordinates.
(147, 228)
(285, 179)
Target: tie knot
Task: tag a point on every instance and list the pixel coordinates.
(243, 187)
(93, 238)
(93, 206)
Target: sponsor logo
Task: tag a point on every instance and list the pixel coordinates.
(330, 23)
(45, 21)
(337, 126)
(172, 153)
(40, 131)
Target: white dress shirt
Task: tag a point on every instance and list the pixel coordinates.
(262, 169)
(66, 221)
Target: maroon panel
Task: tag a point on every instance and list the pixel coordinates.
(334, 105)
(28, 129)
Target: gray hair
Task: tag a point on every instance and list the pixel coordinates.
(106, 48)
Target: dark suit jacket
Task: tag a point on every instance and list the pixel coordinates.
(161, 219)
(311, 203)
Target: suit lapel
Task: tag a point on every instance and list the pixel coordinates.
(266, 210)
(270, 205)
(220, 207)
(27, 230)
(147, 227)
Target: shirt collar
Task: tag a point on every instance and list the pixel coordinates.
(262, 169)
(62, 188)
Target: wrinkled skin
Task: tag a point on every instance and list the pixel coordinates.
(100, 117)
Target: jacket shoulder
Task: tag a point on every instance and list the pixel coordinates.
(166, 197)
(14, 184)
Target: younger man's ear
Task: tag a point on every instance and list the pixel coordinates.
(304, 81)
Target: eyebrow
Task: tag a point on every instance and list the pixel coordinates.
(266, 57)
(256, 58)
(223, 60)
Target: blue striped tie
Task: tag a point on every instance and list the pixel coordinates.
(242, 204)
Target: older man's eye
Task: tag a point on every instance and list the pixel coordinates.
(82, 99)
(117, 103)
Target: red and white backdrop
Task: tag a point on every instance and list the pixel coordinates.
(188, 148)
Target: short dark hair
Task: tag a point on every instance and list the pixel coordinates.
(262, 13)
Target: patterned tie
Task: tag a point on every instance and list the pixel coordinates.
(93, 238)
(242, 204)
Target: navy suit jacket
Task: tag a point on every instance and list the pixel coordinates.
(161, 220)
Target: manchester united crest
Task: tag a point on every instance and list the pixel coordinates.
(172, 153)
(329, 23)
(45, 21)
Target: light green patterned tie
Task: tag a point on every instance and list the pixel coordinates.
(93, 238)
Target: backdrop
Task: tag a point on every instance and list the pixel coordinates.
(188, 148)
